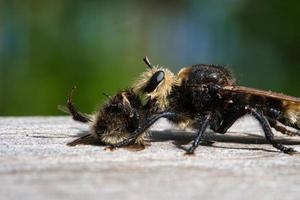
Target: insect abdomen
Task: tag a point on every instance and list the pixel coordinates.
(292, 113)
(287, 112)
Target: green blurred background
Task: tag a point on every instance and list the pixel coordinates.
(46, 47)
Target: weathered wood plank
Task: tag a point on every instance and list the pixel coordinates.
(35, 163)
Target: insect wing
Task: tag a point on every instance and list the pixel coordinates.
(257, 92)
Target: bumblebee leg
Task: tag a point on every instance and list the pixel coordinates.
(284, 129)
(267, 130)
(150, 121)
(200, 134)
(77, 116)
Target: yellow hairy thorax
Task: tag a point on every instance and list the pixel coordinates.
(163, 89)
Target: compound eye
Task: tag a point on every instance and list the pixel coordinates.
(154, 81)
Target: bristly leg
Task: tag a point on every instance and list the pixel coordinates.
(88, 139)
(267, 130)
(199, 135)
(133, 136)
(284, 129)
(77, 116)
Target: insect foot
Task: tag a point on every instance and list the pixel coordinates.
(189, 154)
(290, 151)
(110, 148)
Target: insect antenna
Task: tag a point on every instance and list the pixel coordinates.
(146, 60)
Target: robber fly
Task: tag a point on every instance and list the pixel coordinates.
(202, 96)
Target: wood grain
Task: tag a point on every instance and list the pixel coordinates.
(35, 163)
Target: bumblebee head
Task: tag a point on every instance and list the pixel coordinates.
(156, 83)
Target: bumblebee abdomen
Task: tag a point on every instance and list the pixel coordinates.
(118, 117)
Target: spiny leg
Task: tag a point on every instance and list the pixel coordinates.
(284, 129)
(267, 129)
(77, 116)
(143, 128)
(200, 134)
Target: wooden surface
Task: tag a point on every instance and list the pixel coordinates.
(35, 163)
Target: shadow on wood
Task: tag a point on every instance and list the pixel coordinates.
(180, 138)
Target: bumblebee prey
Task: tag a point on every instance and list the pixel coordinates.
(113, 122)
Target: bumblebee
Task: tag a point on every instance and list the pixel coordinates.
(113, 122)
(202, 96)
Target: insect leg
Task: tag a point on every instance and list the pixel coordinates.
(150, 121)
(267, 129)
(200, 133)
(228, 120)
(284, 129)
(77, 116)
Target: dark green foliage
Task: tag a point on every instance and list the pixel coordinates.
(47, 47)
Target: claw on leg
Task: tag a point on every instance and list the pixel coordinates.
(189, 153)
(289, 151)
(110, 148)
